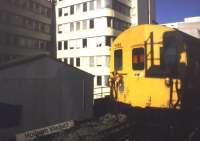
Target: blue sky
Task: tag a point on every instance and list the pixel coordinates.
(176, 10)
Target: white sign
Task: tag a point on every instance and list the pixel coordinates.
(32, 134)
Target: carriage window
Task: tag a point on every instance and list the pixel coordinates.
(138, 58)
(118, 59)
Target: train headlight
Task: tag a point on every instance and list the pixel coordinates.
(121, 85)
(167, 82)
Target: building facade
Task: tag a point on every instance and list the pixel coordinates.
(25, 28)
(86, 30)
(190, 25)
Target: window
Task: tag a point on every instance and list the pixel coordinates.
(109, 20)
(99, 61)
(78, 8)
(91, 23)
(59, 28)
(92, 61)
(71, 27)
(138, 58)
(107, 61)
(72, 10)
(118, 59)
(98, 3)
(66, 11)
(77, 26)
(84, 7)
(108, 41)
(65, 60)
(60, 45)
(99, 81)
(60, 12)
(121, 8)
(91, 5)
(108, 3)
(65, 45)
(84, 43)
(71, 61)
(106, 77)
(78, 62)
(84, 24)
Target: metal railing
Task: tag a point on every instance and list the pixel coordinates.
(101, 92)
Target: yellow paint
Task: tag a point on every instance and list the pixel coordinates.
(140, 90)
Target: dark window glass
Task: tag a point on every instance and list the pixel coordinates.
(109, 22)
(71, 61)
(72, 10)
(99, 81)
(84, 43)
(59, 45)
(60, 12)
(92, 23)
(78, 62)
(108, 41)
(138, 58)
(84, 7)
(65, 45)
(65, 60)
(118, 59)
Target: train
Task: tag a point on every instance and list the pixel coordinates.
(155, 66)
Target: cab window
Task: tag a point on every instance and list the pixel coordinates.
(118, 59)
(138, 58)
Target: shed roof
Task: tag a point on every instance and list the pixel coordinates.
(28, 60)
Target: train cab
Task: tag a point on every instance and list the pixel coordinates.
(150, 66)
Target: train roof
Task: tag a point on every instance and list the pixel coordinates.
(136, 35)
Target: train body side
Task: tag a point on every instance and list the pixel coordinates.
(150, 67)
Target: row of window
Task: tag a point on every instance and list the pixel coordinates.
(90, 61)
(71, 61)
(78, 8)
(84, 43)
(117, 24)
(7, 39)
(93, 23)
(31, 5)
(92, 5)
(76, 26)
(24, 22)
(102, 80)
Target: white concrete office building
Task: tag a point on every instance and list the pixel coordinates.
(190, 25)
(87, 28)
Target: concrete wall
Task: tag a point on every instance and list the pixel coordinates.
(48, 92)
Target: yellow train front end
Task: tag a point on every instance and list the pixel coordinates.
(147, 67)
